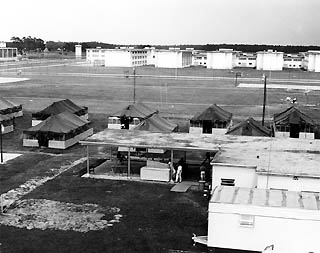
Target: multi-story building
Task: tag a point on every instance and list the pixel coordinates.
(311, 61)
(221, 59)
(173, 58)
(269, 60)
(118, 57)
(199, 58)
(292, 61)
(7, 53)
(247, 60)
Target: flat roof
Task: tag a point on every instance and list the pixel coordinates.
(266, 197)
(146, 139)
(278, 156)
(281, 156)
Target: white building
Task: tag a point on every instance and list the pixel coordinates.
(119, 57)
(221, 59)
(7, 53)
(78, 51)
(292, 61)
(269, 60)
(199, 58)
(311, 61)
(246, 60)
(173, 58)
(253, 219)
(268, 163)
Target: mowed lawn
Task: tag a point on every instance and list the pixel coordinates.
(154, 219)
(97, 88)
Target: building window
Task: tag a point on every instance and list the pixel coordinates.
(227, 181)
(246, 221)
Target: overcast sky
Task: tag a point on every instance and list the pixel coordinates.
(294, 22)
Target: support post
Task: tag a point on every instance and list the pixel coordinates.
(1, 143)
(264, 99)
(129, 162)
(88, 162)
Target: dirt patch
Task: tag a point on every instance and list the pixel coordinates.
(47, 214)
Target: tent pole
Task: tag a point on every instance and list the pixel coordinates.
(129, 162)
(88, 163)
(110, 153)
(172, 156)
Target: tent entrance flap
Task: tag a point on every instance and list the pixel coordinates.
(207, 127)
(294, 130)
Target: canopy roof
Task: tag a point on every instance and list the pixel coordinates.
(213, 113)
(5, 104)
(249, 125)
(58, 107)
(156, 124)
(60, 123)
(294, 115)
(137, 110)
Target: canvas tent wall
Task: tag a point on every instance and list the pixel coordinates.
(58, 131)
(157, 124)
(6, 123)
(298, 122)
(10, 109)
(130, 116)
(213, 120)
(59, 107)
(249, 127)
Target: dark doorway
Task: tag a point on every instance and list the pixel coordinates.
(207, 127)
(294, 130)
(43, 141)
(124, 121)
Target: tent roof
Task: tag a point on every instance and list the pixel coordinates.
(253, 123)
(5, 117)
(213, 113)
(294, 114)
(60, 123)
(60, 106)
(156, 124)
(137, 110)
(5, 104)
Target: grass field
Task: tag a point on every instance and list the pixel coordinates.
(154, 219)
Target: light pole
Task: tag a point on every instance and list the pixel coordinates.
(264, 98)
(134, 85)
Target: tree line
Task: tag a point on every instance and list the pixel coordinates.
(32, 44)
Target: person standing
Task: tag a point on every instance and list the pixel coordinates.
(172, 171)
(179, 174)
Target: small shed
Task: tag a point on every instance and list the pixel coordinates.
(254, 219)
(59, 131)
(59, 107)
(298, 122)
(249, 127)
(213, 120)
(130, 116)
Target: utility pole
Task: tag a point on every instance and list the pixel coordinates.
(1, 143)
(134, 85)
(264, 98)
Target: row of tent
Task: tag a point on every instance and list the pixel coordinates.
(63, 123)
(295, 122)
(291, 122)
